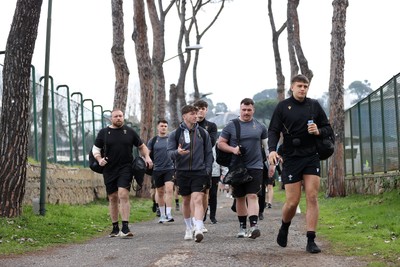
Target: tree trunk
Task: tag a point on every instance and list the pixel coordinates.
(173, 106)
(139, 36)
(158, 27)
(336, 184)
(14, 122)
(278, 61)
(291, 15)
(118, 56)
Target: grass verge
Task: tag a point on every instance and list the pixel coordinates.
(62, 224)
(367, 226)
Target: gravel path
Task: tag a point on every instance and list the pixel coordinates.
(157, 244)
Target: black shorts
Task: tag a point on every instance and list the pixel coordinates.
(252, 187)
(267, 180)
(192, 181)
(160, 177)
(295, 167)
(121, 177)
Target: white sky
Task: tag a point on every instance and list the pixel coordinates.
(237, 59)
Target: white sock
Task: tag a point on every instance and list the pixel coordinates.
(169, 212)
(188, 222)
(199, 225)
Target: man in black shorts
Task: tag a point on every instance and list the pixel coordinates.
(252, 135)
(189, 146)
(118, 140)
(163, 172)
(212, 130)
(300, 159)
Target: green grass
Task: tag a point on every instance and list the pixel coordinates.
(360, 225)
(62, 224)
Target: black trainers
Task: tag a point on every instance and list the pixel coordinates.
(269, 205)
(261, 216)
(312, 248)
(177, 207)
(125, 232)
(282, 238)
(114, 232)
(213, 220)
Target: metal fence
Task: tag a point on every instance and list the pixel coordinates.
(372, 136)
(73, 122)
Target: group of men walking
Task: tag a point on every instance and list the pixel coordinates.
(184, 157)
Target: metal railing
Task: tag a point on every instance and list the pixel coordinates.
(372, 132)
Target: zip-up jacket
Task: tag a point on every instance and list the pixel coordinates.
(200, 155)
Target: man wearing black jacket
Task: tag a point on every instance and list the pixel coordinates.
(300, 125)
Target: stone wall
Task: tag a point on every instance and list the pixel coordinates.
(369, 184)
(64, 185)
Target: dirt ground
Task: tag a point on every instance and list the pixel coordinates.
(157, 244)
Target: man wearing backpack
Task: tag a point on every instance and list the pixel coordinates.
(245, 148)
(301, 164)
(189, 146)
(163, 171)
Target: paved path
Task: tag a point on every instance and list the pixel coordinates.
(163, 245)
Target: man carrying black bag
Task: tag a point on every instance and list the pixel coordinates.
(119, 140)
(246, 150)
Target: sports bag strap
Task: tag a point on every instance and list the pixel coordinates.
(237, 127)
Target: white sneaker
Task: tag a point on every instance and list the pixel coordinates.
(242, 233)
(188, 234)
(198, 236)
(204, 230)
(162, 219)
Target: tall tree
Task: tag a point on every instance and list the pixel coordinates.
(280, 78)
(14, 133)
(336, 185)
(296, 55)
(195, 10)
(139, 36)
(157, 20)
(360, 89)
(118, 56)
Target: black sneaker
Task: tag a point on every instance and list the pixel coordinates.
(125, 232)
(312, 248)
(282, 238)
(269, 205)
(177, 207)
(115, 232)
(261, 216)
(213, 220)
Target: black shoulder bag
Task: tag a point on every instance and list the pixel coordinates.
(325, 144)
(237, 174)
(93, 164)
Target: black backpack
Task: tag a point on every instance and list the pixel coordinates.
(152, 142)
(224, 158)
(325, 145)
